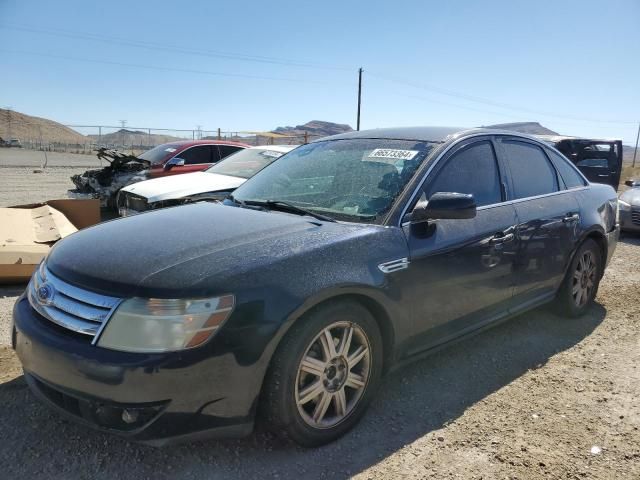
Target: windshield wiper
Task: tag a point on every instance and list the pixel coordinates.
(288, 207)
(243, 204)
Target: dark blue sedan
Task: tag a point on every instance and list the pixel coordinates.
(338, 262)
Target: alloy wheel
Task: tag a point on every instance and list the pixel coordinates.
(333, 374)
(584, 279)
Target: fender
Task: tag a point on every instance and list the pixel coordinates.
(372, 295)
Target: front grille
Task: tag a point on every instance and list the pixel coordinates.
(132, 202)
(635, 216)
(68, 306)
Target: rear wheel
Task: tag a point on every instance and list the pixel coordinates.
(324, 374)
(580, 286)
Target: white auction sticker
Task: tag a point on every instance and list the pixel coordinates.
(170, 150)
(393, 153)
(271, 153)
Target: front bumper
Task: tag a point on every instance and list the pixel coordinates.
(630, 220)
(163, 397)
(612, 242)
(81, 196)
(74, 194)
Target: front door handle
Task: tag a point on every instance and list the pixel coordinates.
(500, 238)
(571, 217)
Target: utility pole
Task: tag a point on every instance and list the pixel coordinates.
(199, 128)
(9, 123)
(123, 123)
(636, 150)
(359, 96)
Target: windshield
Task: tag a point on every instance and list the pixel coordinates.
(354, 180)
(245, 163)
(159, 153)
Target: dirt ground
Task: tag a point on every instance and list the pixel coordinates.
(540, 396)
(19, 184)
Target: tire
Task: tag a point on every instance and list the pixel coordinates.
(318, 401)
(580, 286)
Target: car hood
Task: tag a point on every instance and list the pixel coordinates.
(179, 186)
(202, 248)
(631, 196)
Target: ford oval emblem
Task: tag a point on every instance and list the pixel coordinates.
(45, 294)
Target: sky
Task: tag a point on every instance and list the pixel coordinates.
(573, 66)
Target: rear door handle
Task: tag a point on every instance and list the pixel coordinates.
(500, 238)
(571, 217)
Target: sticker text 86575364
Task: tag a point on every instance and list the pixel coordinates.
(393, 153)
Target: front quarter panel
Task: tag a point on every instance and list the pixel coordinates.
(275, 289)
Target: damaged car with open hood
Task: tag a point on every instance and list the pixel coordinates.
(212, 184)
(287, 302)
(164, 160)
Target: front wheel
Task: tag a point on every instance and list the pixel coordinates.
(324, 374)
(580, 286)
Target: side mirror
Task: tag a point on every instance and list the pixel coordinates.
(174, 162)
(632, 182)
(445, 205)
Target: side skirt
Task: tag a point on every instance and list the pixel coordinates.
(491, 322)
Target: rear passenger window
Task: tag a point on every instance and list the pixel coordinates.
(531, 172)
(571, 178)
(226, 150)
(195, 155)
(473, 170)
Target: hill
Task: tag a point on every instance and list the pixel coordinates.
(132, 137)
(315, 128)
(532, 128)
(31, 130)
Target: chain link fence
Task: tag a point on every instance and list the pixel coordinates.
(88, 138)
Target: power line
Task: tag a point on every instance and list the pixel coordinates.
(157, 67)
(472, 98)
(171, 48)
(455, 105)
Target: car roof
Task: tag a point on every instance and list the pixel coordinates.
(275, 148)
(423, 134)
(560, 138)
(191, 143)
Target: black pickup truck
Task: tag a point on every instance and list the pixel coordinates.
(599, 160)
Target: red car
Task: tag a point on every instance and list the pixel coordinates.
(188, 156)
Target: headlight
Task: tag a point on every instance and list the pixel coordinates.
(164, 325)
(624, 206)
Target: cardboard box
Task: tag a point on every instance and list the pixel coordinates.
(27, 233)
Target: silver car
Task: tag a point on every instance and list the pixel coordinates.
(629, 207)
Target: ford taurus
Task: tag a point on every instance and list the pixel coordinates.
(333, 265)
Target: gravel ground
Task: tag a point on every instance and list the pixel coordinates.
(538, 397)
(19, 184)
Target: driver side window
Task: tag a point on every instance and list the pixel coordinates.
(474, 170)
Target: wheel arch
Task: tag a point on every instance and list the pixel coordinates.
(380, 314)
(377, 310)
(601, 240)
(597, 236)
